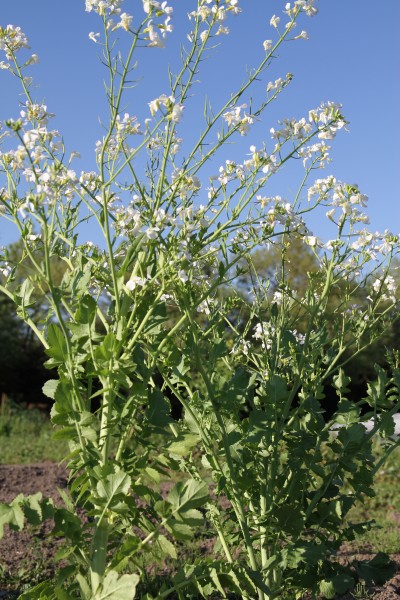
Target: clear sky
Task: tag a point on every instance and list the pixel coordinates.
(352, 57)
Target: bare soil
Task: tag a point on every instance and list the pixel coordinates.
(32, 551)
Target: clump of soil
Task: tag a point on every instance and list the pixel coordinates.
(26, 557)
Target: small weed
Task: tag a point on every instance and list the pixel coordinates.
(361, 592)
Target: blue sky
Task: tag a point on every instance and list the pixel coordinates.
(351, 57)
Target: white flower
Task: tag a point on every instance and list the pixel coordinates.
(5, 270)
(134, 282)
(274, 22)
(33, 60)
(303, 35)
(12, 39)
(30, 138)
(310, 240)
(267, 44)
(183, 276)
(29, 206)
(152, 232)
(102, 6)
(177, 113)
(125, 22)
(93, 36)
(154, 37)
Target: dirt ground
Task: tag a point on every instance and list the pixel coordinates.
(20, 550)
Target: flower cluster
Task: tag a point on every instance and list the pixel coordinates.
(291, 129)
(328, 119)
(128, 221)
(269, 162)
(386, 286)
(12, 39)
(125, 127)
(283, 213)
(104, 7)
(307, 6)
(33, 149)
(53, 183)
(230, 171)
(5, 269)
(36, 113)
(373, 245)
(157, 33)
(90, 180)
(321, 187)
(185, 184)
(173, 110)
(234, 118)
(346, 197)
(266, 333)
(316, 153)
(278, 85)
(215, 13)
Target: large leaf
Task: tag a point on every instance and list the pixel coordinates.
(377, 570)
(42, 591)
(158, 409)
(57, 346)
(191, 494)
(183, 444)
(377, 396)
(13, 516)
(112, 487)
(117, 587)
(34, 508)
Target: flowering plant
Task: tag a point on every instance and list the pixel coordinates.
(155, 312)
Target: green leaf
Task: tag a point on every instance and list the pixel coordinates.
(341, 381)
(57, 346)
(376, 390)
(105, 351)
(50, 387)
(62, 409)
(190, 495)
(215, 579)
(377, 570)
(11, 515)
(116, 587)
(80, 283)
(338, 584)
(112, 487)
(342, 582)
(158, 409)
(42, 591)
(327, 589)
(352, 437)
(183, 444)
(192, 517)
(180, 531)
(167, 547)
(347, 413)
(33, 509)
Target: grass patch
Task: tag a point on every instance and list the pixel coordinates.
(383, 508)
(26, 436)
